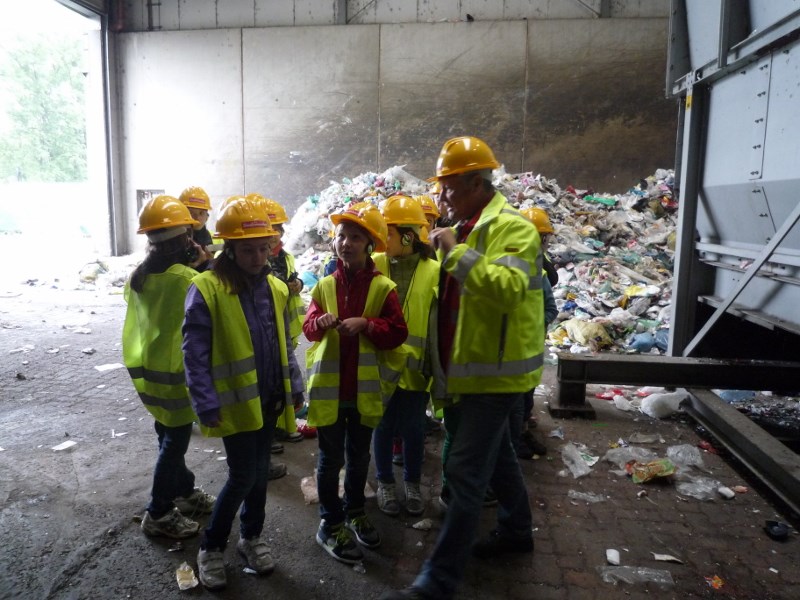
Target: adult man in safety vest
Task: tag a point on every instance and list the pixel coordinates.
(488, 354)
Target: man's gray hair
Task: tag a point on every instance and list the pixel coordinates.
(484, 174)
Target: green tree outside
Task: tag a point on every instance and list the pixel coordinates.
(43, 137)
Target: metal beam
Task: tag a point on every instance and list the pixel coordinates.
(575, 371)
(766, 457)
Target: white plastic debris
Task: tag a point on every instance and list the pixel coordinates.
(588, 497)
(666, 558)
(186, 577)
(109, 367)
(660, 406)
(612, 556)
(424, 525)
(576, 460)
(64, 445)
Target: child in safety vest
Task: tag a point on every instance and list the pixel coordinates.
(241, 373)
(412, 265)
(355, 323)
(283, 267)
(151, 349)
(199, 204)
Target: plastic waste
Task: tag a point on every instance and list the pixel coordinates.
(622, 403)
(622, 456)
(558, 432)
(633, 575)
(644, 472)
(589, 497)
(701, 488)
(642, 342)
(612, 556)
(777, 530)
(186, 577)
(731, 396)
(686, 455)
(660, 406)
(574, 460)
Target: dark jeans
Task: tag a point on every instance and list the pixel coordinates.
(171, 476)
(404, 417)
(347, 438)
(248, 455)
(480, 454)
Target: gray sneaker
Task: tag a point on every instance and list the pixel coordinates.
(276, 470)
(256, 553)
(211, 569)
(173, 525)
(414, 503)
(196, 503)
(387, 499)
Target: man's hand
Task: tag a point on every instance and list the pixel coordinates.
(442, 238)
(295, 286)
(327, 321)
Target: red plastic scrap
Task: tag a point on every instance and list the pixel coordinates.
(609, 394)
(707, 446)
(715, 582)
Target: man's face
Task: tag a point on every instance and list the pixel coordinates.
(251, 255)
(460, 196)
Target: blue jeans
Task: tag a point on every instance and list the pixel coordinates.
(171, 476)
(248, 455)
(480, 454)
(345, 438)
(404, 417)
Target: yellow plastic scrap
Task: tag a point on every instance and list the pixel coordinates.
(587, 333)
(634, 290)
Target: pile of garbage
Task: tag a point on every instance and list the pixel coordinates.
(614, 252)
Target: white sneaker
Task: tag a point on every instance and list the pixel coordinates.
(196, 503)
(256, 554)
(211, 569)
(387, 499)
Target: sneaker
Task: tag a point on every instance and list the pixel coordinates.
(496, 544)
(387, 499)
(365, 533)
(173, 525)
(410, 593)
(276, 448)
(277, 470)
(211, 569)
(256, 554)
(196, 503)
(414, 503)
(283, 436)
(339, 543)
(307, 431)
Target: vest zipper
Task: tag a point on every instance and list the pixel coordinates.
(502, 349)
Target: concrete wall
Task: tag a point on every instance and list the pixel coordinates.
(285, 110)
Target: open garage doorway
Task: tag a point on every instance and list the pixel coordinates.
(54, 208)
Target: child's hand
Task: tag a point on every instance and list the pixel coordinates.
(352, 326)
(327, 321)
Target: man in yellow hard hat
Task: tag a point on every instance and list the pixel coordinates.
(489, 352)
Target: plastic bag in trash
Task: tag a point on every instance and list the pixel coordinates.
(622, 456)
(702, 488)
(644, 472)
(660, 406)
(686, 455)
(574, 460)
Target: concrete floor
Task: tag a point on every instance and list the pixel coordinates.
(69, 518)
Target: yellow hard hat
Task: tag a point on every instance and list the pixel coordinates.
(464, 154)
(195, 197)
(402, 210)
(163, 212)
(538, 216)
(242, 219)
(429, 207)
(275, 211)
(369, 217)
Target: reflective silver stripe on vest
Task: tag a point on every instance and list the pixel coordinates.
(238, 395)
(367, 359)
(162, 377)
(239, 367)
(414, 364)
(415, 341)
(465, 264)
(535, 282)
(299, 311)
(170, 404)
(514, 262)
(510, 368)
(509, 211)
(369, 386)
(324, 367)
(327, 393)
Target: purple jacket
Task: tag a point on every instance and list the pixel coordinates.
(259, 311)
